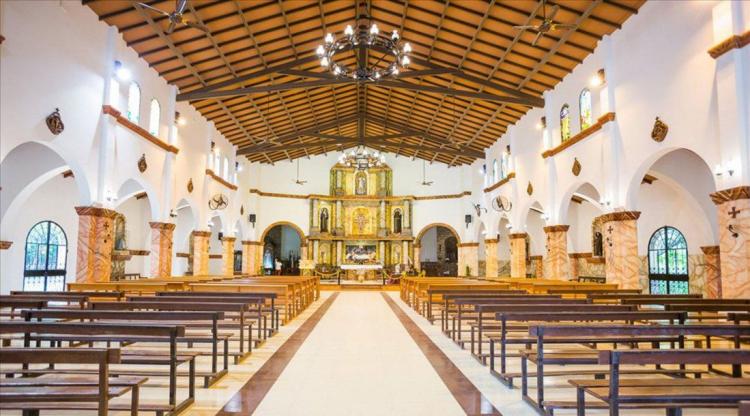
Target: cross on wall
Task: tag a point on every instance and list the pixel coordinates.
(734, 212)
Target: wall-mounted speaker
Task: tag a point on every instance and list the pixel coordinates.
(467, 220)
(251, 218)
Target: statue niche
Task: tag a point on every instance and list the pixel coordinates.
(324, 220)
(360, 183)
(397, 220)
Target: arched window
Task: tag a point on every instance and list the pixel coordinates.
(217, 161)
(584, 104)
(668, 262)
(134, 103)
(565, 122)
(226, 168)
(46, 257)
(495, 173)
(504, 168)
(154, 117)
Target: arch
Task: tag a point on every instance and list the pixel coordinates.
(131, 187)
(585, 190)
(302, 238)
(631, 196)
(133, 112)
(438, 224)
(19, 179)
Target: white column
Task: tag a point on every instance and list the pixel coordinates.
(407, 214)
(168, 180)
(382, 252)
(315, 251)
(106, 148)
(339, 252)
(405, 252)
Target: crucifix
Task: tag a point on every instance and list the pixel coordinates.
(734, 212)
(361, 221)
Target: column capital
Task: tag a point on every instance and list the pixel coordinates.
(730, 194)
(708, 250)
(470, 244)
(556, 228)
(619, 216)
(250, 243)
(228, 239)
(200, 233)
(92, 211)
(162, 225)
(4, 245)
(513, 236)
(491, 240)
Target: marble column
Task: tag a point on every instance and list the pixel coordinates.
(95, 243)
(200, 252)
(339, 252)
(536, 263)
(405, 252)
(249, 257)
(315, 245)
(161, 249)
(621, 248)
(517, 254)
(490, 257)
(557, 262)
(733, 210)
(417, 264)
(227, 256)
(468, 257)
(713, 271)
(339, 229)
(381, 251)
(407, 217)
(315, 226)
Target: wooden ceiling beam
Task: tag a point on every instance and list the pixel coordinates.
(462, 93)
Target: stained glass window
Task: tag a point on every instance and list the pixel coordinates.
(668, 262)
(495, 172)
(584, 102)
(45, 258)
(134, 103)
(153, 118)
(565, 122)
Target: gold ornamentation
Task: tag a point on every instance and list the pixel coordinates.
(190, 185)
(660, 130)
(142, 165)
(576, 167)
(54, 122)
(530, 189)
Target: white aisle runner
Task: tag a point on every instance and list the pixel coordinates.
(359, 360)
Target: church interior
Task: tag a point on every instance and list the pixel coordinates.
(375, 207)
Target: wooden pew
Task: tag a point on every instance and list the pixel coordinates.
(669, 395)
(186, 318)
(507, 318)
(24, 396)
(104, 332)
(269, 297)
(284, 295)
(583, 333)
(140, 286)
(93, 295)
(237, 308)
(14, 304)
(450, 305)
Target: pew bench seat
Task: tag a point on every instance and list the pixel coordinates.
(157, 409)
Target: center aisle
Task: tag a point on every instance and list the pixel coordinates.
(359, 360)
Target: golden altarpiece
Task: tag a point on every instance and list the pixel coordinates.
(360, 227)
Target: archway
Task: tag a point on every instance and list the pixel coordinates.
(135, 207)
(215, 251)
(282, 243)
(438, 255)
(674, 191)
(503, 247)
(34, 178)
(186, 219)
(585, 236)
(45, 258)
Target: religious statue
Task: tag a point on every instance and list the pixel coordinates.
(397, 222)
(324, 220)
(360, 183)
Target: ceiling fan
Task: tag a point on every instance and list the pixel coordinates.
(548, 23)
(298, 181)
(425, 182)
(176, 17)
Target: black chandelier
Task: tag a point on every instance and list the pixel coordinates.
(370, 38)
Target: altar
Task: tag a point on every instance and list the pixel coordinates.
(361, 272)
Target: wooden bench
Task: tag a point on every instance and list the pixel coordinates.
(615, 392)
(186, 318)
(575, 334)
(452, 302)
(23, 395)
(105, 332)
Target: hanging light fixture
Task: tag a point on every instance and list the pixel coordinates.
(370, 38)
(362, 159)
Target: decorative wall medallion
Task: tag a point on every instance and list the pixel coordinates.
(190, 185)
(218, 201)
(530, 189)
(54, 122)
(142, 165)
(660, 130)
(576, 167)
(242, 210)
